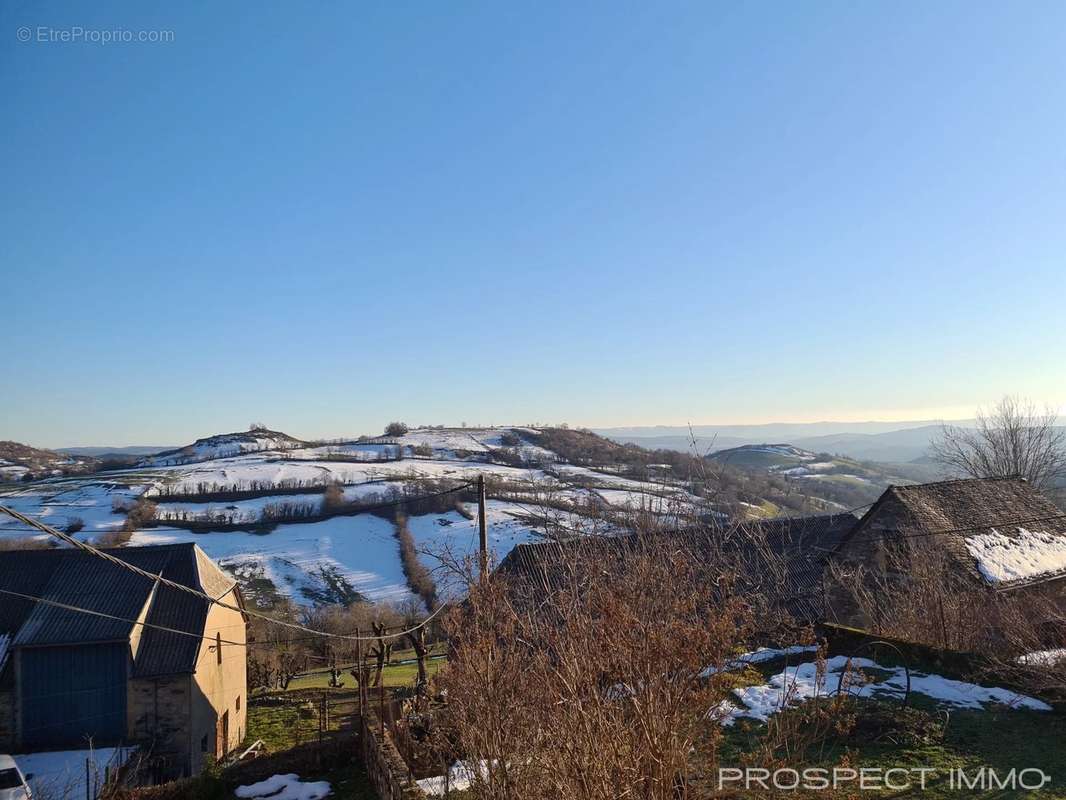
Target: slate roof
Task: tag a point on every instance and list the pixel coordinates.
(948, 513)
(802, 543)
(80, 579)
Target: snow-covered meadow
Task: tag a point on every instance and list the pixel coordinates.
(316, 561)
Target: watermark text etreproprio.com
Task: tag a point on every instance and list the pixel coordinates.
(77, 34)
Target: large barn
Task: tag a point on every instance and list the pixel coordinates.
(117, 676)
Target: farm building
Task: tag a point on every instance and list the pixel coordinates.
(114, 676)
(997, 533)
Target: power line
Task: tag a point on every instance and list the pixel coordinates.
(195, 592)
(80, 610)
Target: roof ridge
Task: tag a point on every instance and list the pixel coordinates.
(1011, 478)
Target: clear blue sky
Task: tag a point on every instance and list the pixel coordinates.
(324, 216)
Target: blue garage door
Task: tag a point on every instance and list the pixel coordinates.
(69, 693)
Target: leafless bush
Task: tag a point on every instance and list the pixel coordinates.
(919, 594)
(140, 516)
(594, 680)
(396, 429)
(333, 497)
(74, 524)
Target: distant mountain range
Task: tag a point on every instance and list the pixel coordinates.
(888, 442)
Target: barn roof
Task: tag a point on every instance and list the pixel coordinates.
(76, 578)
(1002, 530)
(803, 544)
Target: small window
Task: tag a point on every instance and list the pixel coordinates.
(203, 744)
(238, 702)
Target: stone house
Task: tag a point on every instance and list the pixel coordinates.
(1000, 534)
(153, 666)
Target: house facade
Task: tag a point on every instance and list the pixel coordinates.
(153, 666)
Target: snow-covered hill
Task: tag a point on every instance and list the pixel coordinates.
(19, 460)
(256, 502)
(224, 445)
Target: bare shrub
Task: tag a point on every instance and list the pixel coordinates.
(333, 498)
(74, 524)
(396, 429)
(142, 515)
(919, 595)
(601, 671)
(423, 449)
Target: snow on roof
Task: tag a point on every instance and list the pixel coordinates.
(1030, 554)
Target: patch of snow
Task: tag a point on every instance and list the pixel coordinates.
(758, 656)
(1039, 658)
(285, 787)
(1030, 554)
(794, 685)
(61, 773)
(460, 777)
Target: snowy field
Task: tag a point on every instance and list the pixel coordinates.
(302, 559)
(250, 511)
(321, 561)
(60, 503)
(452, 537)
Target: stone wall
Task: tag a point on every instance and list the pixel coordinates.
(388, 772)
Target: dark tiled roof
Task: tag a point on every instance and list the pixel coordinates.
(948, 513)
(802, 543)
(79, 579)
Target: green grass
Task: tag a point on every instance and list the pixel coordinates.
(392, 675)
(281, 727)
(998, 739)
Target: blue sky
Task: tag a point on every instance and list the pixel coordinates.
(325, 216)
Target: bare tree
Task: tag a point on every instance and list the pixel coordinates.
(1012, 439)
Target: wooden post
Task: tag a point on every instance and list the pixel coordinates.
(483, 526)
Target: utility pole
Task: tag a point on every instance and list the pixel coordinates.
(483, 526)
